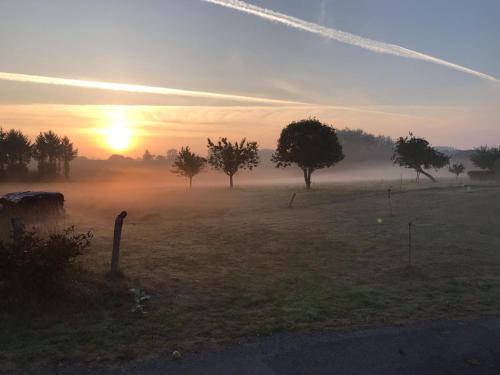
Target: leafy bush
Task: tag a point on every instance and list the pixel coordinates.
(32, 264)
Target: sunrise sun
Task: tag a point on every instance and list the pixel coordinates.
(117, 132)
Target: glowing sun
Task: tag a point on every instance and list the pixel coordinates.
(118, 137)
(117, 133)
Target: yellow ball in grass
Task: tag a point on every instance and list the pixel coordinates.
(380, 220)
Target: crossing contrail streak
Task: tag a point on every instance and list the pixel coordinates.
(125, 87)
(344, 37)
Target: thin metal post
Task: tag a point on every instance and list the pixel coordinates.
(409, 242)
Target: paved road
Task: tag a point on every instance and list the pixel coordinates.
(453, 347)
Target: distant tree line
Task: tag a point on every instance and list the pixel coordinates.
(313, 145)
(359, 146)
(168, 158)
(52, 153)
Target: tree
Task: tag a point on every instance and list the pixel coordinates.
(416, 153)
(171, 156)
(310, 144)
(188, 164)
(17, 153)
(47, 150)
(3, 154)
(39, 153)
(147, 157)
(484, 157)
(457, 169)
(68, 153)
(231, 157)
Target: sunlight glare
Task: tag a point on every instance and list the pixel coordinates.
(118, 133)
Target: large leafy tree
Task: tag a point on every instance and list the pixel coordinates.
(68, 153)
(231, 157)
(416, 153)
(484, 157)
(310, 144)
(17, 153)
(188, 164)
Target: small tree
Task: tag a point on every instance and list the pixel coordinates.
(457, 169)
(147, 157)
(309, 144)
(231, 157)
(417, 154)
(188, 164)
(484, 157)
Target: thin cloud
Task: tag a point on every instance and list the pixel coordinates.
(344, 37)
(125, 87)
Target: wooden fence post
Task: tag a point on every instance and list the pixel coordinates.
(17, 228)
(115, 256)
(389, 191)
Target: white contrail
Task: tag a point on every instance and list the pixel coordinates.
(125, 87)
(342, 36)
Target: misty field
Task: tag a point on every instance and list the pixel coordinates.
(224, 265)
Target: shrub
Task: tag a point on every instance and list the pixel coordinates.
(32, 264)
(481, 175)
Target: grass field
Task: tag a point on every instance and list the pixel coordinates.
(224, 265)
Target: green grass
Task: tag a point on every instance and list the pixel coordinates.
(221, 266)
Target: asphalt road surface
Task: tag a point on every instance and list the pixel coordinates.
(450, 347)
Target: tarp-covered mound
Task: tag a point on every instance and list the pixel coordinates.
(32, 200)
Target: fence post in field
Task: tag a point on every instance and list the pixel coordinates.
(17, 228)
(409, 242)
(291, 200)
(389, 191)
(115, 256)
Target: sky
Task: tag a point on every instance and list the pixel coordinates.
(285, 72)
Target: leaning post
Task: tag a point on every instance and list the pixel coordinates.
(290, 205)
(115, 256)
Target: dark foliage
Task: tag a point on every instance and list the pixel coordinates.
(485, 157)
(309, 144)
(231, 157)
(417, 154)
(359, 146)
(34, 265)
(52, 153)
(188, 164)
(17, 149)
